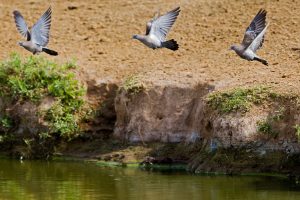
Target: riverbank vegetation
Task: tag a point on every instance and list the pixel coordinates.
(240, 99)
(31, 81)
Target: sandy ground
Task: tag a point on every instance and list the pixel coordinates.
(98, 34)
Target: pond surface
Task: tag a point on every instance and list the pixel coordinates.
(76, 180)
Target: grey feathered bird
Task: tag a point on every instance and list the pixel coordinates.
(253, 38)
(157, 30)
(38, 37)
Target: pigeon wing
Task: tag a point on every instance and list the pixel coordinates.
(40, 30)
(257, 25)
(149, 24)
(258, 41)
(21, 25)
(148, 27)
(161, 25)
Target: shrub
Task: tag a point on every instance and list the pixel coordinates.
(34, 78)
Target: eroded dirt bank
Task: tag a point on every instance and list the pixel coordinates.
(168, 114)
(242, 129)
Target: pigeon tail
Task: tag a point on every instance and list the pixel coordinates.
(261, 60)
(50, 52)
(171, 44)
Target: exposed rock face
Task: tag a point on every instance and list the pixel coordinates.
(102, 94)
(264, 139)
(178, 114)
(162, 113)
(26, 115)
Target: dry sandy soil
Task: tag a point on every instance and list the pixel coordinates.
(98, 34)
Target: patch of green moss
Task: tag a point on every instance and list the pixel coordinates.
(239, 99)
(236, 160)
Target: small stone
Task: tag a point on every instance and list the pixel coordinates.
(262, 152)
(115, 155)
(107, 158)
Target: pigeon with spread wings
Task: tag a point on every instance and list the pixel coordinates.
(253, 38)
(38, 37)
(157, 30)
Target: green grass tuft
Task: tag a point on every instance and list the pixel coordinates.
(239, 99)
(297, 127)
(265, 127)
(132, 85)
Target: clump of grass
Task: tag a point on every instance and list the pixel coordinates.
(132, 85)
(70, 64)
(265, 127)
(239, 99)
(297, 127)
(34, 78)
(6, 122)
(279, 114)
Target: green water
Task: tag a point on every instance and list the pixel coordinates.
(75, 180)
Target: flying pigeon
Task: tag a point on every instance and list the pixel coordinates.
(157, 30)
(253, 38)
(38, 37)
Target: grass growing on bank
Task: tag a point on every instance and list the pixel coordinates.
(239, 99)
(265, 127)
(132, 85)
(297, 127)
(35, 78)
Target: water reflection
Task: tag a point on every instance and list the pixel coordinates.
(73, 180)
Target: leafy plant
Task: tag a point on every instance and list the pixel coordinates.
(34, 78)
(62, 121)
(6, 122)
(67, 91)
